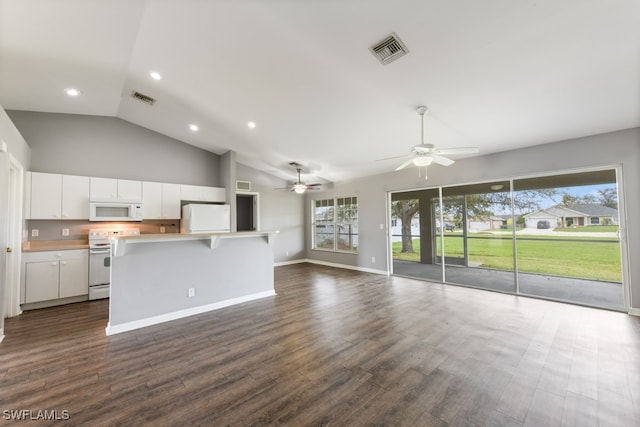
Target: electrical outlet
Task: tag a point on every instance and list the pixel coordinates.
(381, 226)
(162, 229)
(286, 253)
(65, 231)
(192, 292)
(373, 260)
(35, 232)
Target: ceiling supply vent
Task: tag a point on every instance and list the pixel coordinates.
(143, 98)
(389, 49)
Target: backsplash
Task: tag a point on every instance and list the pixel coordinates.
(52, 229)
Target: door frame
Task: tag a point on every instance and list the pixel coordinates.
(14, 237)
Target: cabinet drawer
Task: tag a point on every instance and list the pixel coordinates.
(56, 255)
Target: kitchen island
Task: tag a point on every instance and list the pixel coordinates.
(156, 278)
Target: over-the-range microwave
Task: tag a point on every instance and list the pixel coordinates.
(115, 211)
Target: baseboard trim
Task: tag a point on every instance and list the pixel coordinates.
(634, 311)
(290, 262)
(149, 321)
(348, 267)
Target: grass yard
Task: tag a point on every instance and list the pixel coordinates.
(596, 259)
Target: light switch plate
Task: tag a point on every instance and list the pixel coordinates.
(35, 232)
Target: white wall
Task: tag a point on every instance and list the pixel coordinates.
(610, 149)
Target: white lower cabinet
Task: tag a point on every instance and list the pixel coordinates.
(51, 275)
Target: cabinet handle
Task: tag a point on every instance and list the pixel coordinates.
(53, 264)
(64, 215)
(58, 255)
(56, 215)
(63, 262)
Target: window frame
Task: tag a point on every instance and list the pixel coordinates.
(337, 223)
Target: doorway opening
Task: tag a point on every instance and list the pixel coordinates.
(247, 211)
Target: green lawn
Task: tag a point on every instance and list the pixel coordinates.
(590, 229)
(598, 259)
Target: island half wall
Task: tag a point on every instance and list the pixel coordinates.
(158, 278)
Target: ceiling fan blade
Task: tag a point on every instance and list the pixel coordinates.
(405, 164)
(313, 185)
(392, 158)
(442, 160)
(459, 150)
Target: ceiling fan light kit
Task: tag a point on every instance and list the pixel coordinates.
(423, 155)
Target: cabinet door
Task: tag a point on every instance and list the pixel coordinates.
(129, 190)
(41, 281)
(46, 195)
(170, 201)
(75, 197)
(74, 278)
(103, 189)
(152, 200)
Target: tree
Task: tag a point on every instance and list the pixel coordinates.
(608, 197)
(405, 210)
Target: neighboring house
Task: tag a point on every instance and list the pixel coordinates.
(485, 223)
(574, 215)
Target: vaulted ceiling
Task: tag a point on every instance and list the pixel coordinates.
(495, 74)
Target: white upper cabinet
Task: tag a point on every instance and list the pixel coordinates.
(151, 200)
(160, 200)
(171, 201)
(75, 197)
(46, 196)
(201, 193)
(56, 196)
(105, 189)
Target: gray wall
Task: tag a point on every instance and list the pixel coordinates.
(279, 210)
(610, 149)
(112, 148)
(18, 148)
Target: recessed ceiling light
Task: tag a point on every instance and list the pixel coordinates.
(194, 127)
(71, 91)
(155, 75)
(251, 125)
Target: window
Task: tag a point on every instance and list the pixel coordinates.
(595, 220)
(335, 224)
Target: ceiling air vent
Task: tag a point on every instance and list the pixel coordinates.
(389, 49)
(143, 98)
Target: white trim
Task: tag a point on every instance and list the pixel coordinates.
(634, 311)
(14, 237)
(290, 262)
(149, 321)
(1, 334)
(348, 267)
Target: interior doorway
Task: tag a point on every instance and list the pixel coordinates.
(247, 211)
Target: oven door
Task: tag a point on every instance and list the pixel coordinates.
(99, 267)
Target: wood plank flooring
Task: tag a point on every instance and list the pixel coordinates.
(334, 347)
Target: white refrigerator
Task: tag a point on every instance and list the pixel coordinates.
(201, 218)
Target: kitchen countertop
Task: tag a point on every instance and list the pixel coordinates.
(214, 238)
(54, 245)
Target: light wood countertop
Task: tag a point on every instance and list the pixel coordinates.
(54, 245)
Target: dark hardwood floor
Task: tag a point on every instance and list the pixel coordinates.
(334, 347)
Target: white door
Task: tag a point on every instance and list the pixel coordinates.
(14, 238)
(170, 201)
(129, 190)
(103, 189)
(151, 200)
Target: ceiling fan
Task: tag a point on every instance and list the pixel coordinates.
(427, 154)
(299, 186)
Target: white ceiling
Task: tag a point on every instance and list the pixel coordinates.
(496, 74)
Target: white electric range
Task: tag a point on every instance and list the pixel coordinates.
(100, 258)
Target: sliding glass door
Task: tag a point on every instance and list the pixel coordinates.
(554, 237)
(569, 245)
